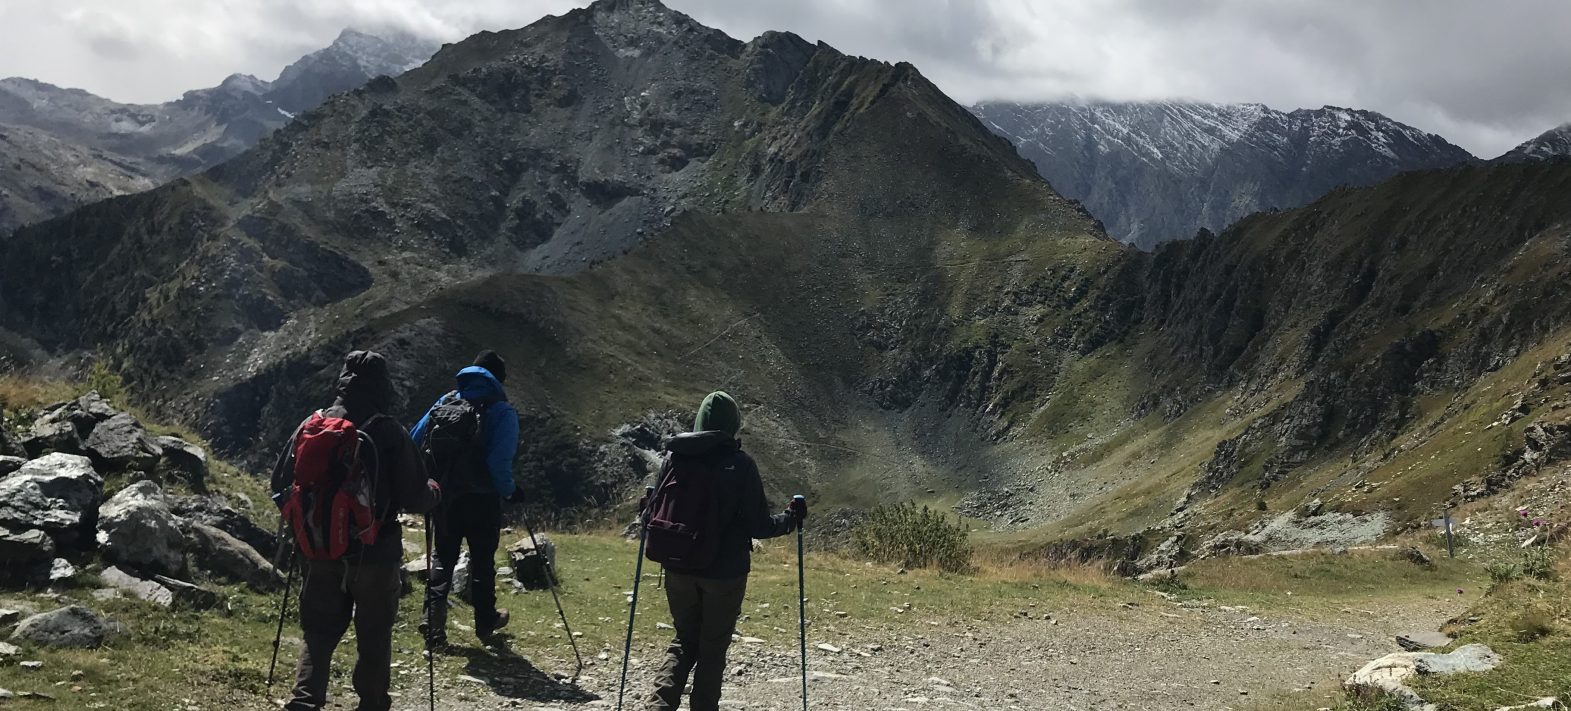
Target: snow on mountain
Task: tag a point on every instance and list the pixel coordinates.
(1554, 143)
(1158, 171)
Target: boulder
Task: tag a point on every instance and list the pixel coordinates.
(91, 409)
(9, 464)
(145, 590)
(61, 569)
(73, 626)
(137, 529)
(57, 493)
(24, 548)
(184, 460)
(227, 557)
(1389, 674)
(533, 565)
(120, 443)
(52, 435)
(1231, 543)
(214, 512)
(1420, 641)
(189, 595)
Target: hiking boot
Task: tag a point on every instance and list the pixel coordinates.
(498, 622)
(434, 641)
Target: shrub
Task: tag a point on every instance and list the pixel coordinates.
(1538, 563)
(1502, 573)
(915, 538)
(1533, 624)
(107, 382)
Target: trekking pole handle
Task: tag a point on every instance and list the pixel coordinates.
(799, 497)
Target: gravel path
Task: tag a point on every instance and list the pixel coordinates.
(1147, 652)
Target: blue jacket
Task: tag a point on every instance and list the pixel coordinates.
(498, 417)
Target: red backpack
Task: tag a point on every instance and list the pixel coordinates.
(333, 498)
(683, 526)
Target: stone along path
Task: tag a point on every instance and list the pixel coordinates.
(1148, 652)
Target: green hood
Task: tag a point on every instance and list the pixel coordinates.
(719, 413)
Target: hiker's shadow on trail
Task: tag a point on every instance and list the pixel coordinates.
(510, 675)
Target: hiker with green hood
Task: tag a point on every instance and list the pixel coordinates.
(707, 508)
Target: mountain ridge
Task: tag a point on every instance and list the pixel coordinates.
(1159, 171)
(90, 135)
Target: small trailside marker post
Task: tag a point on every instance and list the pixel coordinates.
(1450, 542)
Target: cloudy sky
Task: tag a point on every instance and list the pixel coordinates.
(1486, 75)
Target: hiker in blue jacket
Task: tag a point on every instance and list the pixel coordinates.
(475, 481)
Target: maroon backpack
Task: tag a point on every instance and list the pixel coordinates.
(683, 525)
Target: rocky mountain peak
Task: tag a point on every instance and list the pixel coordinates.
(1554, 143)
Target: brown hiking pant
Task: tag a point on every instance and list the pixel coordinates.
(332, 595)
(704, 613)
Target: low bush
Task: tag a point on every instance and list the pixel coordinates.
(914, 537)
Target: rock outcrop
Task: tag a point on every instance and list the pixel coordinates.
(25, 548)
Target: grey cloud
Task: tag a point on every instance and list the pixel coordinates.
(1485, 75)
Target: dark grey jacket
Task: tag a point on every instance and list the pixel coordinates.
(745, 512)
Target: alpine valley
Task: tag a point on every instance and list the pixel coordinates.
(638, 209)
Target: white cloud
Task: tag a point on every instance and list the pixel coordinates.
(1485, 75)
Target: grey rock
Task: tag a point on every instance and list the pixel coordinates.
(25, 547)
(52, 435)
(227, 557)
(185, 460)
(10, 464)
(73, 627)
(461, 583)
(9, 616)
(120, 443)
(533, 565)
(8, 650)
(1167, 554)
(94, 407)
(1548, 702)
(57, 493)
(137, 529)
(214, 512)
(1389, 674)
(61, 569)
(1420, 641)
(145, 590)
(189, 595)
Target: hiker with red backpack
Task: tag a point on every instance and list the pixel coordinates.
(701, 518)
(347, 472)
(469, 438)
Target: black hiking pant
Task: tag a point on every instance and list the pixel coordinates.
(704, 612)
(332, 595)
(476, 518)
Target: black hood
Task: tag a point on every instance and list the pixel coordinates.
(698, 444)
(364, 385)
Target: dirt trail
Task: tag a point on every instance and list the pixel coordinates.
(1144, 653)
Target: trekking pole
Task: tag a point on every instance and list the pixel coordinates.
(550, 573)
(801, 599)
(632, 608)
(283, 607)
(430, 653)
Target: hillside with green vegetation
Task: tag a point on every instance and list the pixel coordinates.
(637, 209)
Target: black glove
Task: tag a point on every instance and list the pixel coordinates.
(798, 509)
(517, 497)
